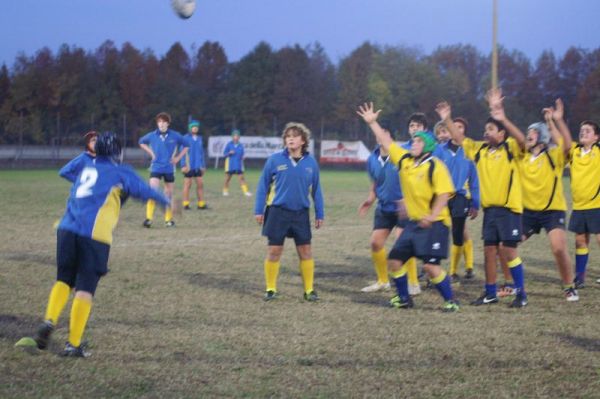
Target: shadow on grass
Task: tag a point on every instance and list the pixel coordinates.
(588, 344)
(28, 257)
(14, 327)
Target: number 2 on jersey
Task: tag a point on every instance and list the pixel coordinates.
(86, 182)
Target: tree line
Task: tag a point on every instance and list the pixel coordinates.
(52, 98)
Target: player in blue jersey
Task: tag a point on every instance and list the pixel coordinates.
(234, 163)
(84, 237)
(71, 170)
(193, 166)
(386, 190)
(465, 202)
(289, 178)
(162, 145)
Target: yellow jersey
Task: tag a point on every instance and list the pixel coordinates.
(585, 177)
(541, 179)
(421, 182)
(499, 177)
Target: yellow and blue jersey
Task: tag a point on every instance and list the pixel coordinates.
(499, 175)
(541, 178)
(384, 175)
(164, 147)
(72, 169)
(421, 183)
(289, 184)
(194, 158)
(97, 195)
(462, 170)
(585, 176)
(235, 161)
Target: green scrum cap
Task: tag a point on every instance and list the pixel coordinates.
(236, 132)
(193, 123)
(427, 140)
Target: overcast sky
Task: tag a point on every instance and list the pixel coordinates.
(339, 25)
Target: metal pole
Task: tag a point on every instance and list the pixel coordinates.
(124, 135)
(495, 46)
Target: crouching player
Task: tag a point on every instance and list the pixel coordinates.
(426, 185)
(84, 237)
(288, 180)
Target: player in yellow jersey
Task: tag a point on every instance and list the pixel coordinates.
(426, 185)
(584, 160)
(501, 198)
(541, 168)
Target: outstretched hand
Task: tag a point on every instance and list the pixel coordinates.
(559, 110)
(444, 110)
(367, 112)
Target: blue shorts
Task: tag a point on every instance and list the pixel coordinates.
(234, 172)
(80, 261)
(501, 225)
(459, 206)
(534, 221)
(167, 177)
(586, 221)
(280, 223)
(430, 245)
(193, 173)
(387, 220)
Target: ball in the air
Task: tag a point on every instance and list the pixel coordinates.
(183, 8)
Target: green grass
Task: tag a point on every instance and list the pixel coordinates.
(180, 314)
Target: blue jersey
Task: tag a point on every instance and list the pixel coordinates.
(164, 147)
(289, 184)
(235, 161)
(72, 169)
(194, 158)
(462, 170)
(387, 183)
(96, 196)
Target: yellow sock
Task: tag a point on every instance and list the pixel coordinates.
(201, 204)
(307, 269)
(401, 272)
(59, 295)
(186, 203)
(245, 188)
(271, 272)
(455, 254)
(379, 259)
(168, 214)
(80, 312)
(411, 269)
(468, 253)
(150, 205)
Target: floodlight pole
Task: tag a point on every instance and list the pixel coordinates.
(495, 46)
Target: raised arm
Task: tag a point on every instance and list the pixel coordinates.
(558, 114)
(369, 115)
(495, 101)
(444, 110)
(552, 128)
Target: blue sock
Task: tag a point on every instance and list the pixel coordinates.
(402, 286)
(581, 260)
(490, 290)
(518, 274)
(445, 288)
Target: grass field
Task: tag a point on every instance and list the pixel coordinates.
(181, 313)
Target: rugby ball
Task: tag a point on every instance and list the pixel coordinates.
(183, 8)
